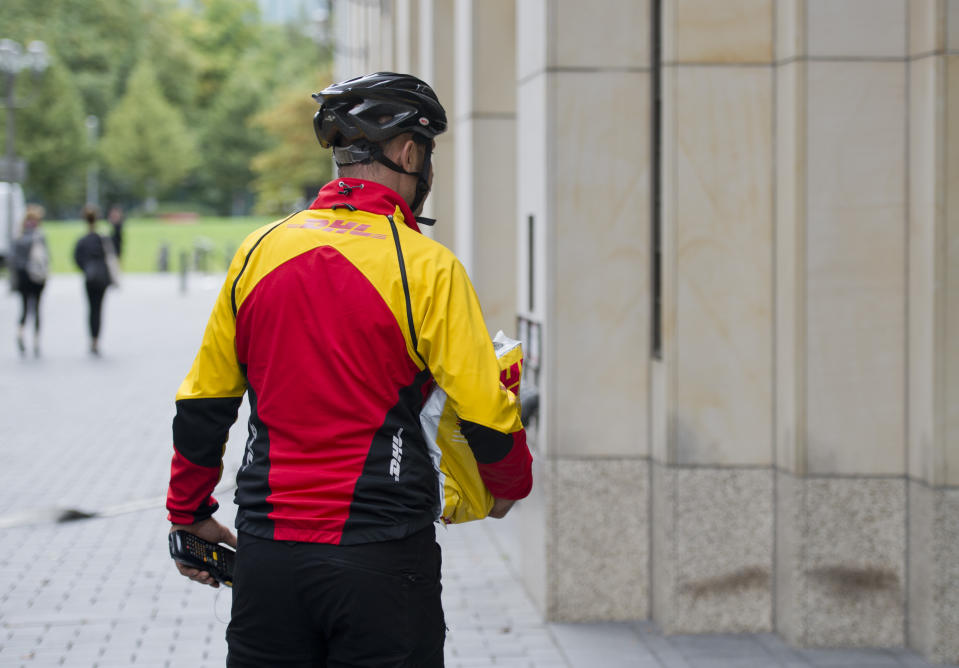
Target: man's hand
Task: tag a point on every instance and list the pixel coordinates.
(501, 507)
(211, 530)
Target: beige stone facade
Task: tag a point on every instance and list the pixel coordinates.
(788, 458)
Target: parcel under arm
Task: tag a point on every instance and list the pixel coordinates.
(456, 344)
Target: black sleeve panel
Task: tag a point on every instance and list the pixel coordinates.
(488, 445)
(201, 428)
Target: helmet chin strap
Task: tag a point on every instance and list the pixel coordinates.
(422, 177)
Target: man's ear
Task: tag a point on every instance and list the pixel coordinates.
(409, 156)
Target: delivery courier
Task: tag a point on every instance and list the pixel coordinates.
(463, 496)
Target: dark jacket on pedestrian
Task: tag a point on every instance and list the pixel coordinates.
(91, 257)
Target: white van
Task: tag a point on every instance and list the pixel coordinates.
(11, 201)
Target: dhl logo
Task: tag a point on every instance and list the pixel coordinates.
(510, 377)
(337, 227)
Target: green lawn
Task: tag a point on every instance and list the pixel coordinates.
(144, 237)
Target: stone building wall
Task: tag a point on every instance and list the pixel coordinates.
(788, 459)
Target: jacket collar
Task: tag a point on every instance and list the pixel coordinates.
(366, 196)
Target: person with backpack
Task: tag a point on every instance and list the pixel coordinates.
(95, 256)
(31, 264)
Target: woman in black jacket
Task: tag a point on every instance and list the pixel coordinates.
(91, 254)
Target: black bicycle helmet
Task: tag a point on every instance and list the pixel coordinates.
(357, 115)
(377, 107)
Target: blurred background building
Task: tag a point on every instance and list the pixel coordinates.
(728, 233)
(286, 11)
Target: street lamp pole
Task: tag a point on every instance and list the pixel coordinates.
(10, 79)
(93, 189)
(9, 61)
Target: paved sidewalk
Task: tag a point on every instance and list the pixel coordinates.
(93, 435)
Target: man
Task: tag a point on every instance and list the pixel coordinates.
(337, 321)
(117, 219)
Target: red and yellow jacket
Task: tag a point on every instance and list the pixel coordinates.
(336, 321)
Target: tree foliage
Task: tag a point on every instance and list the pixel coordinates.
(173, 56)
(228, 142)
(220, 33)
(52, 138)
(91, 37)
(146, 138)
(215, 66)
(296, 165)
(228, 136)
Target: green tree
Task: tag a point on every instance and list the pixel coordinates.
(173, 55)
(51, 136)
(229, 138)
(217, 65)
(93, 38)
(220, 32)
(296, 164)
(146, 143)
(286, 57)
(228, 141)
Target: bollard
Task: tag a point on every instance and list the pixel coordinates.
(184, 260)
(202, 248)
(163, 258)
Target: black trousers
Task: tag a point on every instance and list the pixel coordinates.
(30, 293)
(312, 605)
(95, 292)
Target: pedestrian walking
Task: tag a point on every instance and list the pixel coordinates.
(31, 266)
(336, 322)
(116, 219)
(96, 258)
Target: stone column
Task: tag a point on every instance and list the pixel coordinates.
(406, 36)
(933, 437)
(436, 54)
(583, 212)
(485, 162)
(712, 411)
(841, 322)
(380, 28)
(365, 38)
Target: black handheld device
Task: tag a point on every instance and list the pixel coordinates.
(195, 552)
